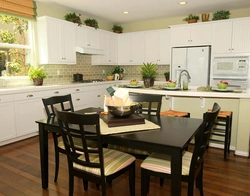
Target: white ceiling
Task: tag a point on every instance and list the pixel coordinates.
(111, 10)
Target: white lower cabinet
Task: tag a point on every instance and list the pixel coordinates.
(7, 120)
(28, 109)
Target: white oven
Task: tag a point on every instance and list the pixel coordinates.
(234, 70)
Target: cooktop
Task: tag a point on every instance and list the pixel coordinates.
(90, 81)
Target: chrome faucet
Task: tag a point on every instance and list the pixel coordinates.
(188, 76)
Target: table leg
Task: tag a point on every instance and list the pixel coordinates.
(43, 141)
(176, 167)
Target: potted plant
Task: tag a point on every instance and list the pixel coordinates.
(222, 14)
(109, 76)
(167, 74)
(118, 70)
(72, 17)
(37, 74)
(117, 29)
(148, 71)
(191, 18)
(91, 23)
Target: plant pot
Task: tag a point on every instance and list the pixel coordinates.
(152, 80)
(117, 31)
(192, 21)
(38, 81)
(205, 17)
(110, 78)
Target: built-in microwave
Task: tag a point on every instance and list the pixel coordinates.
(231, 67)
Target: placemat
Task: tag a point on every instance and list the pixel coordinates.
(105, 130)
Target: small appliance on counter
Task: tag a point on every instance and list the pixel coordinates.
(77, 77)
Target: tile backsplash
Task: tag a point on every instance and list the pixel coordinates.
(63, 74)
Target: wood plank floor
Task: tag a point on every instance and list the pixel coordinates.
(20, 175)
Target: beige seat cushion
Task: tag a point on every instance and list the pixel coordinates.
(162, 163)
(113, 161)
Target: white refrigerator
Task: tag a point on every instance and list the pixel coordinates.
(196, 60)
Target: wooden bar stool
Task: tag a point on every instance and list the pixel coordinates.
(175, 113)
(222, 130)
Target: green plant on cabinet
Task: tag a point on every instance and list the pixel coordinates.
(222, 14)
(91, 23)
(72, 17)
(117, 28)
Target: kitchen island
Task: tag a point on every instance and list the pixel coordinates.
(197, 102)
(16, 125)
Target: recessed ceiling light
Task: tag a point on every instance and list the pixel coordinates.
(125, 12)
(182, 2)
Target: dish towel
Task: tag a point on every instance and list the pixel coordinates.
(105, 130)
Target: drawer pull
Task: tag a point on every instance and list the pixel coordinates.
(77, 89)
(78, 99)
(56, 92)
(98, 95)
(30, 95)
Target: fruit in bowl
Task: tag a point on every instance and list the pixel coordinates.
(171, 84)
(133, 82)
(222, 85)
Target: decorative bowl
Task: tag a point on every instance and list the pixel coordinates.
(222, 86)
(171, 84)
(134, 83)
(123, 111)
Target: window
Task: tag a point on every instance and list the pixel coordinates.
(15, 45)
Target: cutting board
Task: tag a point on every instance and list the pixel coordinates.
(113, 121)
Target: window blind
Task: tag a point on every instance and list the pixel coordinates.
(26, 8)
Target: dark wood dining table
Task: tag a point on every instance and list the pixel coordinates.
(171, 138)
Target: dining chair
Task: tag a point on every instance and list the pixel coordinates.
(148, 104)
(98, 165)
(159, 165)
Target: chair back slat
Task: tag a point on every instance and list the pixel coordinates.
(149, 104)
(62, 103)
(85, 127)
(202, 139)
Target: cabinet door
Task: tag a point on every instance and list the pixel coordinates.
(222, 36)
(180, 36)
(27, 112)
(164, 47)
(7, 121)
(68, 43)
(241, 36)
(137, 48)
(151, 47)
(92, 38)
(201, 34)
(124, 49)
(80, 36)
(112, 48)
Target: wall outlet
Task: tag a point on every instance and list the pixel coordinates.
(103, 71)
(58, 72)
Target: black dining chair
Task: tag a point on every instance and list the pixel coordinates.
(98, 165)
(159, 165)
(63, 103)
(148, 104)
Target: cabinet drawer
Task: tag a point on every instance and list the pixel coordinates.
(57, 92)
(6, 98)
(28, 95)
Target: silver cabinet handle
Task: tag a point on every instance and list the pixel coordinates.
(56, 92)
(77, 89)
(78, 99)
(30, 95)
(98, 95)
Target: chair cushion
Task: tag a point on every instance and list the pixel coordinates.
(161, 163)
(113, 161)
(78, 142)
(173, 113)
(223, 114)
(128, 150)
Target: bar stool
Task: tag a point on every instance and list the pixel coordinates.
(175, 113)
(222, 130)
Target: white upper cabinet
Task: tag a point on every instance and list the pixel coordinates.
(56, 41)
(231, 37)
(157, 46)
(191, 34)
(131, 49)
(108, 43)
(86, 37)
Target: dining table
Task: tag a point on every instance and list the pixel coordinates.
(172, 136)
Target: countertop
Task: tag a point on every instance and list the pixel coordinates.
(156, 89)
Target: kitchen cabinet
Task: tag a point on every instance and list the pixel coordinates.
(7, 120)
(157, 46)
(131, 48)
(108, 43)
(191, 34)
(81, 96)
(231, 36)
(56, 41)
(28, 109)
(86, 37)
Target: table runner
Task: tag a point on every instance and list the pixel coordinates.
(105, 130)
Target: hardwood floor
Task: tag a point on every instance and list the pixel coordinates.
(20, 175)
